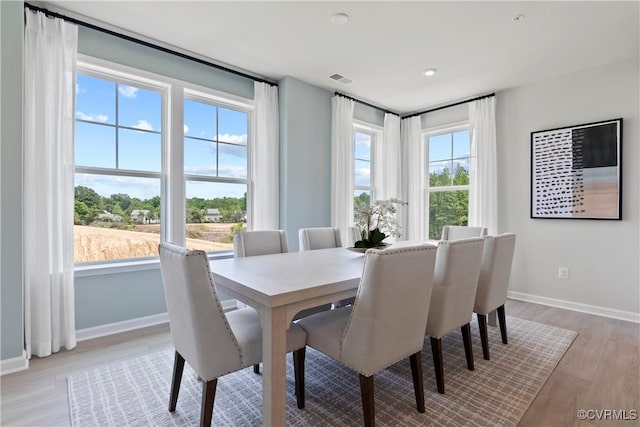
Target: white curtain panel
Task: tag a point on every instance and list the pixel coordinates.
(388, 161)
(49, 86)
(483, 186)
(413, 180)
(342, 164)
(265, 158)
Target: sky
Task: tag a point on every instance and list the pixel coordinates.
(139, 115)
(448, 150)
(139, 144)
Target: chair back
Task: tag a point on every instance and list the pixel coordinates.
(319, 238)
(495, 269)
(261, 242)
(457, 232)
(199, 327)
(353, 235)
(455, 283)
(390, 311)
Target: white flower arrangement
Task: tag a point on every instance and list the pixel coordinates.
(376, 222)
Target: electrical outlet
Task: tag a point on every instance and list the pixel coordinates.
(563, 272)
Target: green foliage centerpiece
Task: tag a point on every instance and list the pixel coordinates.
(376, 222)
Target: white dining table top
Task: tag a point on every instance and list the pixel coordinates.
(280, 279)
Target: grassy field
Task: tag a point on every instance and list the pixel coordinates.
(102, 244)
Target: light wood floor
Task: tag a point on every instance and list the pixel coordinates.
(599, 371)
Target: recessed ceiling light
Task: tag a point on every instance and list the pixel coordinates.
(340, 18)
(429, 72)
(519, 17)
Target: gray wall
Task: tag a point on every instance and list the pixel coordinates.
(110, 298)
(305, 157)
(602, 256)
(111, 48)
(11, 309)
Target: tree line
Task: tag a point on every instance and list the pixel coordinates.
(91, 207)
(448, 207)
(445, 207)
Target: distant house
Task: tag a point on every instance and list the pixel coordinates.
(140, 216)
(212, 215)
(105, 215)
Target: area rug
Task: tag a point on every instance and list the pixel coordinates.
(135, 392)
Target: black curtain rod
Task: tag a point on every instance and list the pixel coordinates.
(147, 44)
(449, 105)
(366, 103)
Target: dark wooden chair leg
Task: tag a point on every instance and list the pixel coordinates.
(178, 367)
(503, 324)
(484, 338)
(366, 390)
(436, 351)
(298, 369)
(208, 397)
(256, 368)
(468, 348)
(418, 386)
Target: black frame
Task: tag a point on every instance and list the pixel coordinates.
(568, 163)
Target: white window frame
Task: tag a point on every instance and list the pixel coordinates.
(376, 136)
(425, 135)
(172, 177)
(211, 97)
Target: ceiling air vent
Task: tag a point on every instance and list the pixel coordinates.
(340, 78)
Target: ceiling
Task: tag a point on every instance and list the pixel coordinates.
(476, 46)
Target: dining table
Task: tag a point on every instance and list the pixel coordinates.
(278, 286)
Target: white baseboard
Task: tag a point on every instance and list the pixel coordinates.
(576, 306)
(15, 364)
(119, 327)
(132, 324)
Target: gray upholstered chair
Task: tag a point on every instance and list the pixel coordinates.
(454, 292)
(353, 235)
(262, 242)
(385, 324)
(214, 343)
(457, 232)
(493, 284)
(267, 242)
(322, 238)
(319, 238)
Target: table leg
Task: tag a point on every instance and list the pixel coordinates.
(492, 318)
(274, 335)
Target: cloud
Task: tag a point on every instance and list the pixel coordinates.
(362, 176)
(186, 129)
(143, 125)
(105, 185)
(128, 91)
(200, 170)
(229, 171)
(226, 171)
(363, 139)
(79, 89)
(100, 118)
(234, 139)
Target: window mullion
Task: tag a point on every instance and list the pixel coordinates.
(174, 175)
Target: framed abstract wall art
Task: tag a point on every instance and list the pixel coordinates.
(576, 171)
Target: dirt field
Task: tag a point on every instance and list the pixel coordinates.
(101, 244)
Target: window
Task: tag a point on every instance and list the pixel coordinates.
(216, 172)
(363, 141)
(127, 167)
(448, 194)
(118, 148)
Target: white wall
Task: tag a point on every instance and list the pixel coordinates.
(602, 256)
